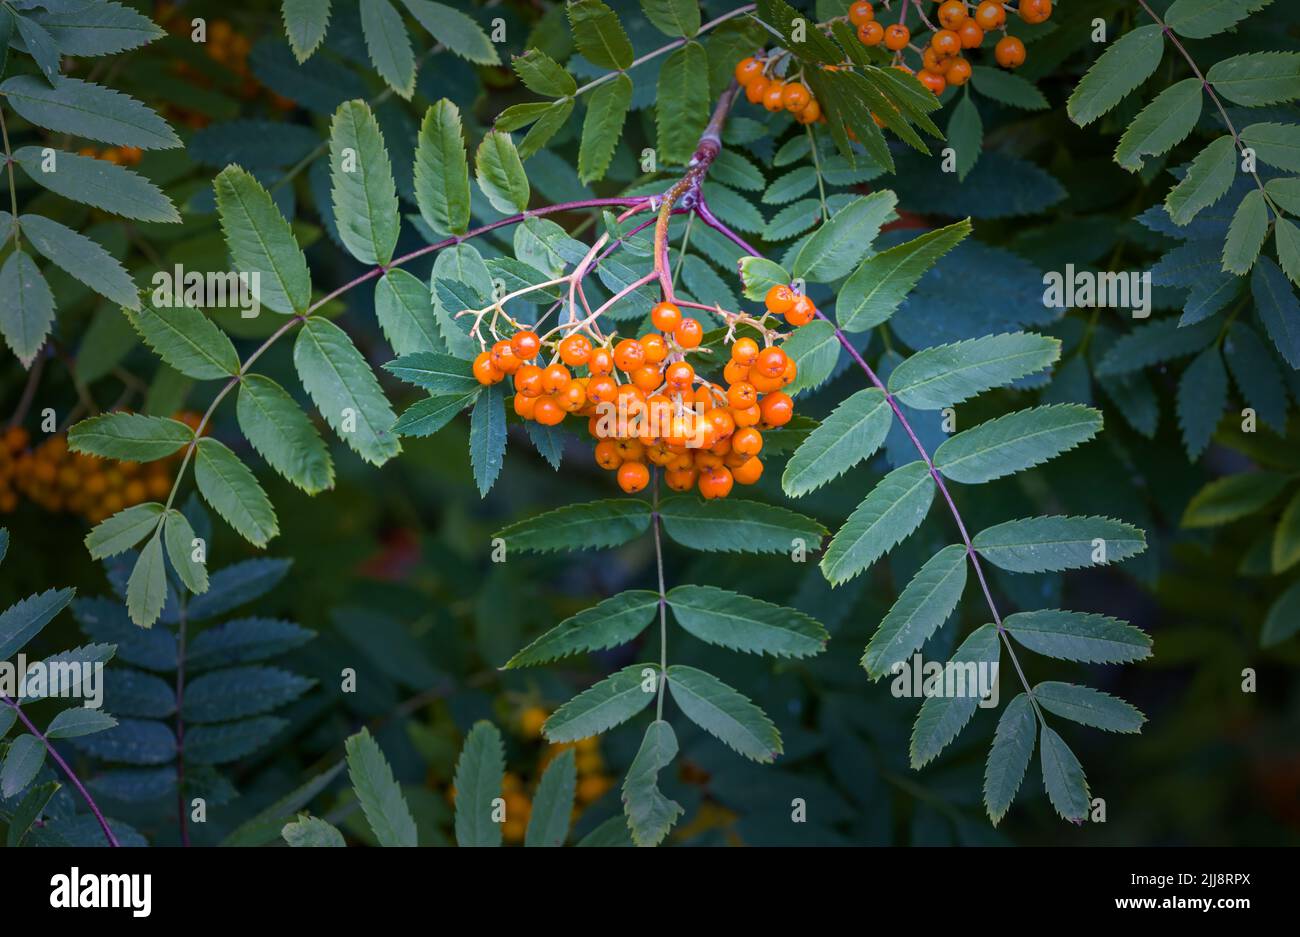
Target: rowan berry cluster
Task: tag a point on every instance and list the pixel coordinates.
(56, 479)
(961, 28)
(645, 403)
(763, 87)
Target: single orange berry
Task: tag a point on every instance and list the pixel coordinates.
(779, 299)
(745, 350)
(601, 361)
(647, 377)
(1035, 11)
(795, 97)
(602, 389)
(748, 472)
(633, 476)
(607, 456)
(777, 409)
(747, 441)
(716, 483)
(774, 96)
(755, 90)
(573, 398)
(871, 34)
(548, 411)
(990, 15)
(666, 316)
(628, 354)
(770, 362)
(524, 406)
(679, 375)
(485, 372)
(735, 371)
(958, 72)
(861, 12)
(1010, 52)
(681, 479)
(526, 344)
(689, 334)
(932, 80)
(970, 34)
(765, 384)
(952, 13)
(575, 350)
(811, 113)
(897, 37)
(747, 416)
(747, 69)
(801, 312)
(741, 395)
(945, 42)
(555, 379)
(654, 346)
(504, 358)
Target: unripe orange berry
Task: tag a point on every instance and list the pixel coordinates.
(770, 362)
(970, 34)
(952, 13)
(485, 372)
(897, 37)
(861, 12)
(575, 350)
(871, 34)
(801, 312)
(779, 299)
(633, 476)
(628, 354)
(504, 358)
(777, 409)
(526, 344)
(795, 97)
(747, 69)
(745, 350)
(666, 316)
(990, 15)
(1010, 52)
(689, 334)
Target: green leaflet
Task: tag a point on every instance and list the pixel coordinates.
(724, 713)
(547, 126)
(442, 170)
(1275, 144)
(878, 287)
(1256, 373)
(123, 530)
(887, 515)
(673, 17)
(815, 348)
(1067, 788)
(541, 74)
(1078, 636)
(579, 526)
(650, 815)
(362, 190)
(734, 526)
(1153, 342)
(389, 45)
(1162, 124)
(282, 434)
(404, 308)
(1013, 746)
(98, 28)
(1127, 63)
(1283, 618)
(599, 35)
(758, 275)
(1208, 179)
(1007, 88)
(548, 822)
(1246, 234)
(82, 259)
(83, 109)
(28, 310)
(345, 390)
(1015, 442)
(305, 22)
(613, 621)
(187, 340)
(839, 245)
(146, 589)
(229, 486)
(921, 609)
(607, 109)
(1202, 396)
(945, 375)
(500, 174)
(610, 702)
(1257, 78)
(965, 135)
(1088, 707)
(741, 623)
(682, 102)
(74, 723)
(41, 47)
(791, 185)
(435, 372)
(98, 183)
(425, 417)
(260, 241)
(1287, 241)
(22, 762)
(23, 620)
(1233, 497)
(379, 793)
(487, 437)
(1285, 552)
(973, 674)
(1278, 308)
(129, 436)
(1050, 544)
(455, 30)
(1199, 19)
(178, 538)
(313, 832)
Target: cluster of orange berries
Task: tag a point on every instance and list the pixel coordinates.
(118, 155)
(56, 479)
(704, 436)
(775, 94)
(961, 29)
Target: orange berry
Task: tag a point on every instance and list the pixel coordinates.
(770, 362)
(931, 59)
(1035, 11)
(745, 350)
(526, 344)
(748, 472)
(747, 441)
(795, 97)
(607, 456)
(861, 12)
(524, 406)
(723, 422)
(629, 355)
(958, 72)
(871, 34)
(779, 299)
(970, 34)
(1010, 52)
(485, 372)
(790, 373)
(932, 80)
(945, 42)
(777, 409)
(573, 398)
(755, 90)
(575, 350)
(655, 348)
(601, 361)
(735, 371)
(952, 13)
(741, 395)
(528, 380)
(666, 316)
(747, 69)
(801, 312)
(897, 37)
(680, 375)
(555, 378)
(548, 411)
(811, 113)
(504, 358)
(716, 483)
(647, 377)
(602, 389)
(774, 96)
(681, 479)
(633, 476)
(689, 334)
(990, 15)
